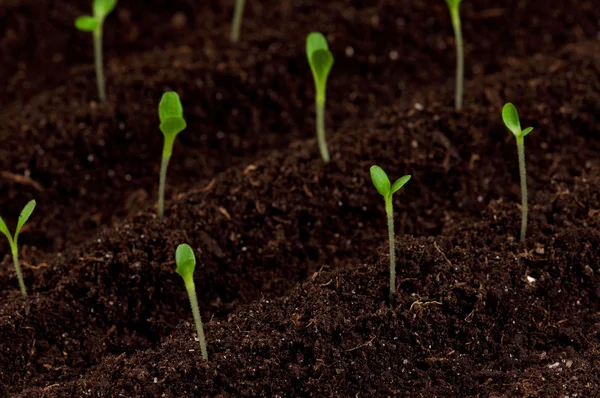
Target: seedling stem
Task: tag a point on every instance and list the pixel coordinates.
(454, 6)
(321, 61)
(510, 116)
(170, 114)
(13, 241)
(94, 24)
(186, 263)
(237, 20)
(386, 189)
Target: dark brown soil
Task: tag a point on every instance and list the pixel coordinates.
(292, 254)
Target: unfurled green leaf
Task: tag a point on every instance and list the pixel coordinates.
(380, 180)
(87, 23)
(24, 216)
(526, 131)
(399, 183)
(510, 116)
(103, 7)
(4, 230)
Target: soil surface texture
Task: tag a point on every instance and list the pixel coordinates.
(293, 263)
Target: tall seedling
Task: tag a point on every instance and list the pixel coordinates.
(386, 189)
(94, 24)
(510, 116)
(236, 23)
(321, 61)
(186, 264)
(454, 6)
(170, 114)
(13, 241)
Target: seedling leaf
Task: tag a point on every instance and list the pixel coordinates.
(185, 260)
(170, 106)
(511, 119)
(4, 230)
(526, 131)
(380, 180)
(315, 41)
(103, 7)
(172, 125)
(319, 58)
(87, 23)
(399, 183)
(24, 216)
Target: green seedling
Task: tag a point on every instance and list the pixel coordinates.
(186, 263)
(94, 24)
(13, 241)
(512, 122)
(386, 189)
(454, 6)
(170, 114)
(237, 20)
(321, 61)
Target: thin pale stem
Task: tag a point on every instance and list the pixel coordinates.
(460, 58)
(523, 174)
(15, 255)
(161, 185)
(191, 289)
(390, 219)
(320, 106)
(237, 20)
(99, 65)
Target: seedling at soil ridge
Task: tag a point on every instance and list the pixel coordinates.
(512, 122)
(186, 263)
(237, 20)
(12, 240)
(321, 61)
(386, 189)
(454, 6)
(94, 24)
(170, 114)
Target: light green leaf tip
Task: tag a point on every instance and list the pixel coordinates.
(319, 58)
(526, 131)
(103, 7)
(400, 182)
(185, 260)
(24, 216)
(380, 180)
(510, 116)
(86, 23)
(170, 114)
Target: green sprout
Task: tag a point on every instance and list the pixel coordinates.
(386, 189)
(237, 20)
(186, 263)
(454, 5)
(321, 61)
(511, 120)
(12, 240)
(170, 114)
(89, 23)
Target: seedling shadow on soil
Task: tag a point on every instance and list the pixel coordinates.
(293, 273)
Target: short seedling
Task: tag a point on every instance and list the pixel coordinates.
(170, 114)
(321, 61)
(454, 6)
(94, 24)
(237, 20)
(12, 240)
(186, 263)
(386, 189)
(512, 122)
